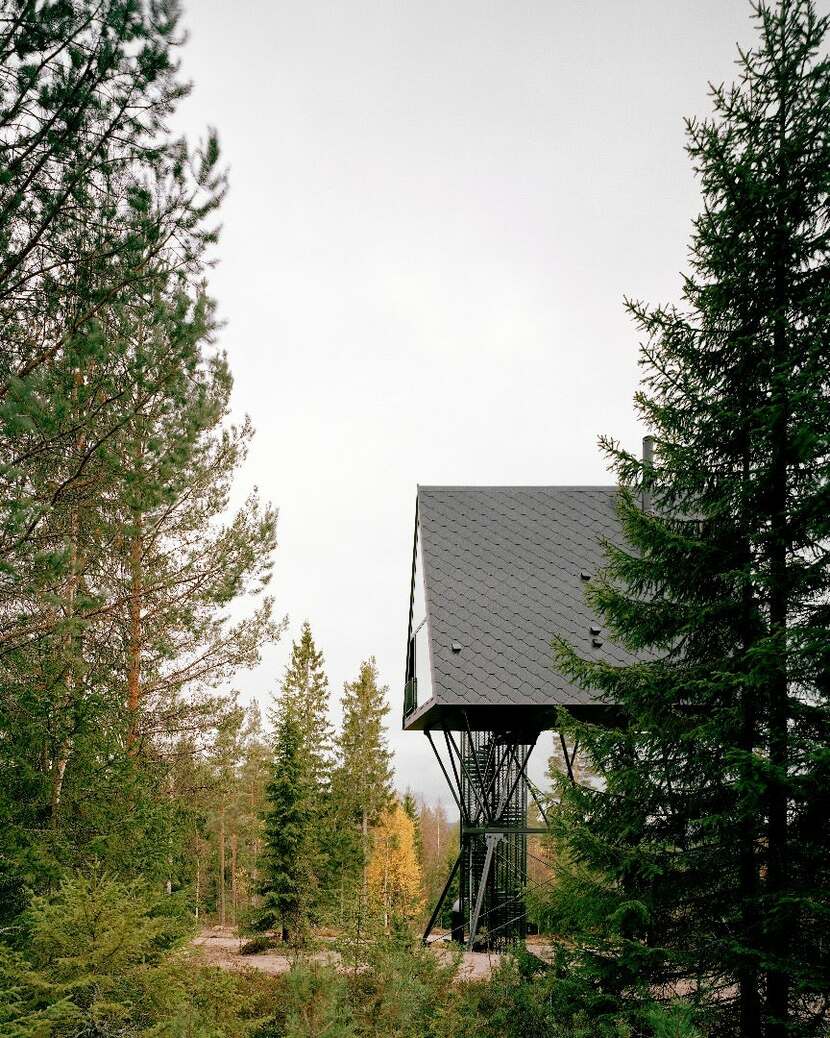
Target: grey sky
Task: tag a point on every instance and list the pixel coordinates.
(435, 211)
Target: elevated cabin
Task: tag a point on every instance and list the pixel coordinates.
(497, 574)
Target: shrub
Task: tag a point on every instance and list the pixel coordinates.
(256, 945)
(402, 989)
(101, 957)
(311, 1002)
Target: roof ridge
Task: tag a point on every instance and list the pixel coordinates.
(519, 486)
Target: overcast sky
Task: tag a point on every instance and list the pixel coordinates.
(436, 209)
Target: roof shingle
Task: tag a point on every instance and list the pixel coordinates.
(502, 575)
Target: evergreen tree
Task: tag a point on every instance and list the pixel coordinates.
(247, 805)
(361, 791)
(413, 813)
(103, 226)
(131, 642)
(362, 782)
(703, 863)
(87, 87)
(305, 691)
(288, 878)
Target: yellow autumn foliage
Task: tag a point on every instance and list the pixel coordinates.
(393, 875)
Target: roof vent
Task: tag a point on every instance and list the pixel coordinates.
(456, 647)
(584, 576)
(597, 643)
(595, 629)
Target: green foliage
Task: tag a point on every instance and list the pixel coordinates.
(410, 806)
(507, 1005)
(287, 866)
(311, 1002)
(116, 458)
(401, 989)
(99, 945)
(363, 777)
(676, 1020)
(702, 856)
(26, 1008)
(103, 958)
(305, 693)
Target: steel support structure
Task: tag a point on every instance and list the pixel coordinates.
(488, 779)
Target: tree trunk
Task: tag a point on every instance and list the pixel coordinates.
(222, 868)
(386, 885)
(234, 845)
(58, 770)
(61, 757)
(779, 934)
(779, 930)
(749, 996)
(134, 650)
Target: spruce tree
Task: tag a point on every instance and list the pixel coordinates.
(410, 806)
(702, 865)
(287, 885)
(362, 783)
(305, 691)
(361, 791)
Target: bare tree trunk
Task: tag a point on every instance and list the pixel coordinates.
(134, 650)
(234, 900)
(779, 922)
(198, 884)
(58, 770)
(222, 867)
(361, 908)
(386, 884)
(61, 757)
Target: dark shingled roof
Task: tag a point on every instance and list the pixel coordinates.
(504, 572)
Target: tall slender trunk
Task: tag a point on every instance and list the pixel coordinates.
(779, 923)
(198, 884)
(386, 898)
(222, 867)
(58, 770)
(779, 928)
(234, 901)
(60, 757)
(749, 995)
(362, 899)
(134, 647)
(364, 829)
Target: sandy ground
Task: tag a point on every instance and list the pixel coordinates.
(220, 947)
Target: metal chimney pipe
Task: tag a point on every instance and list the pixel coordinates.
(648, 467)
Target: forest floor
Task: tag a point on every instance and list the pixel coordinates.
(219, 946)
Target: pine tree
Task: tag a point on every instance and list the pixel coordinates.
(703, 863)
(138, 634)
(102, 216)
(247, 806)
(288, 878)
(87, 89)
